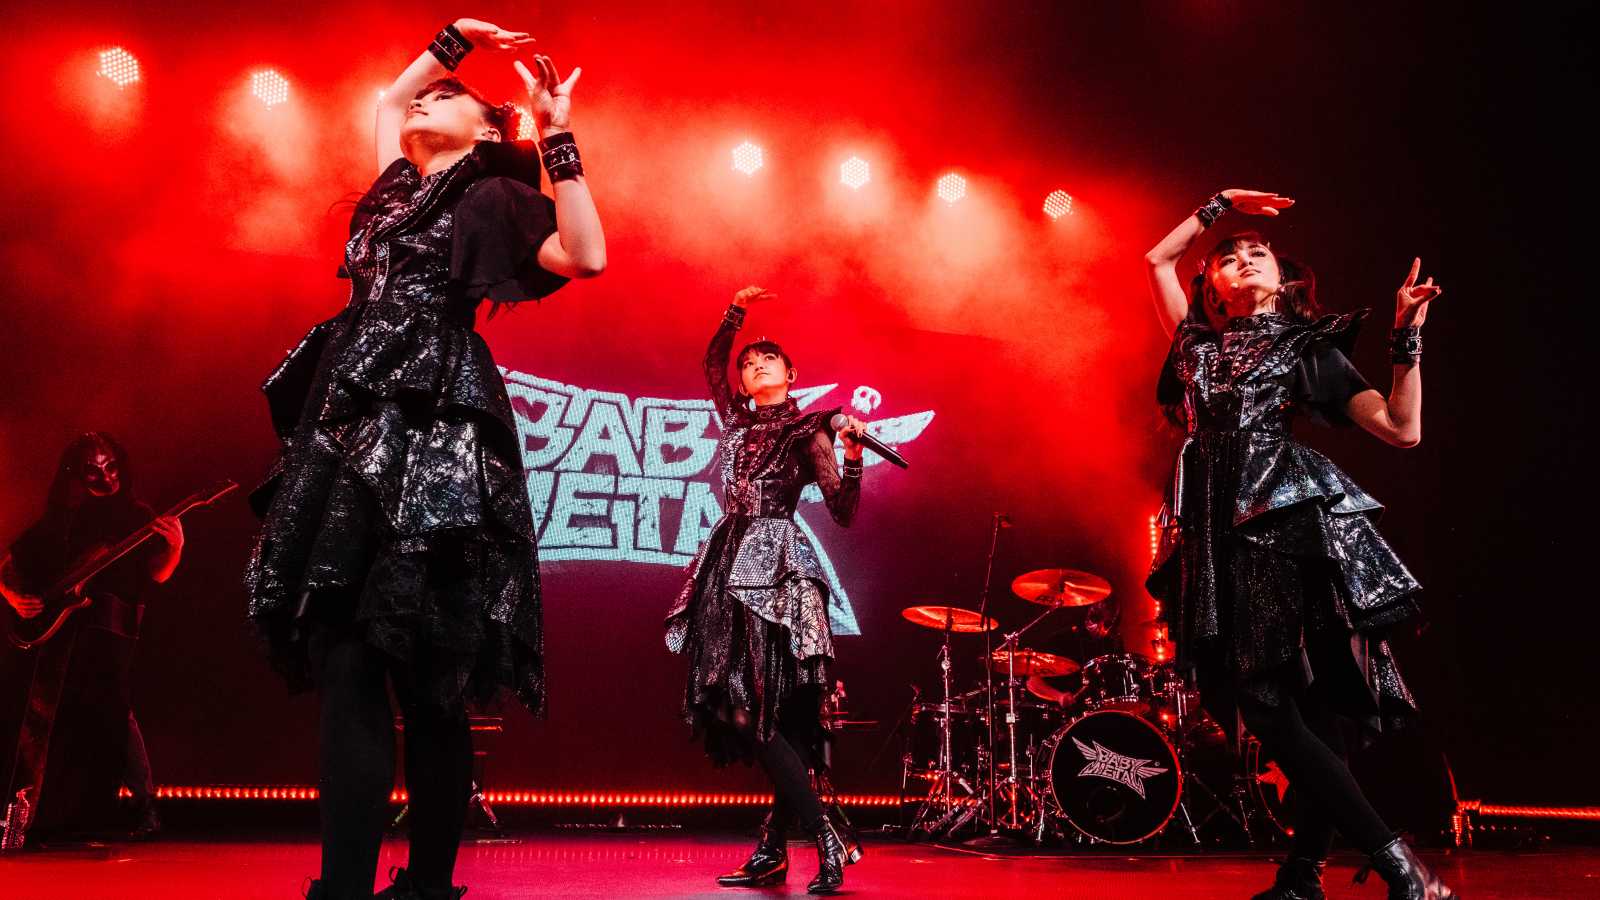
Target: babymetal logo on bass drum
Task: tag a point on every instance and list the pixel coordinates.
(1124, 770)
(621, 479)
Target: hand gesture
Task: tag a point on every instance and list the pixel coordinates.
(1257, 203)
(753, 294)
(483, 34)
(1411, 301)
(26, 605)
(852, 447)
(169, 529)
(549, 97)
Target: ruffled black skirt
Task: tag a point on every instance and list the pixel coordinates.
(744, 683)
(398, 504)
(1276, 580)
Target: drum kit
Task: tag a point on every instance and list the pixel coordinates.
(1116, 758)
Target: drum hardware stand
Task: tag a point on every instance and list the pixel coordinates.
(1013, 786)
(941, 793)
(1001, 520)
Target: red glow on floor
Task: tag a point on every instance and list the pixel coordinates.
(684, 865)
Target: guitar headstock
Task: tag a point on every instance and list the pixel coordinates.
(205, 497)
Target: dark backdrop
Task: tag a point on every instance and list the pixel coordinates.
(163, 245)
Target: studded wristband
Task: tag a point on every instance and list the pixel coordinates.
(1213, 210)
(1405, 345)
(450, 47)
(560, 155)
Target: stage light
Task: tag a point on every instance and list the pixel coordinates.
(854, 173)
(524, 124)
(1058, 204)
(119, 67)
(747, 158)
(269, 87)
(952, 187)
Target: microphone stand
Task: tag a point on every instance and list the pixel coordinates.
(994, 837)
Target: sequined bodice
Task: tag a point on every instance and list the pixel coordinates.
(1240, 381)
(400, 253)
(762, 471)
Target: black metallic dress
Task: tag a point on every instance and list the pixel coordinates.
(1270, 567)
(753, 615)
(398, 504)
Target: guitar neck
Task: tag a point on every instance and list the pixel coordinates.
(96, 564)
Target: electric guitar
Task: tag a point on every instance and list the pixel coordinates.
(66, 596)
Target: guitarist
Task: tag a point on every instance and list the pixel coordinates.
(77, 744)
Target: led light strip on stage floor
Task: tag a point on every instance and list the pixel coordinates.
(511, 798)
(1468, 812)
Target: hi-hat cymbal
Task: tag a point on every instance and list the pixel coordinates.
(1061, 587)
(948, 618)
(1033, 662)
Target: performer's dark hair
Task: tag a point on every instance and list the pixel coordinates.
(1297, 296)
(762, 346)
(503, 116)
(67, 486)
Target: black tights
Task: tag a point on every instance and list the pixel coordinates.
(793, 797)
(787, 764)
(1304, 737)
(357, 760)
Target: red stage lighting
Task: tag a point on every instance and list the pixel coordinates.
(1058, 204)
(854, 173)
(119, 67)
(747, 158)
(952, 187)
(269, 87)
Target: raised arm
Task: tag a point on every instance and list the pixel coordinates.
(1161, 263)
(721, 348)
(1397, 419)
(423, 71)
(578, 248)
(841, 494)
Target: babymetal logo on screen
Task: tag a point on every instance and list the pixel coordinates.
(629, 479)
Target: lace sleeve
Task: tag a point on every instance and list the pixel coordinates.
(716, 364)
(841, 494)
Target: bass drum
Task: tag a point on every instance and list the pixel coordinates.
(1114, 777)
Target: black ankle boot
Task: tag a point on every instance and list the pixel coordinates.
(1407, 877)
(149, 824)
(768, 863)
(401, 887)
(1298, 879)
(832, 856)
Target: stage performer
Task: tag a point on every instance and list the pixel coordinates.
(753, 616)
(397, 542)
(1279, 587)
(79, 741)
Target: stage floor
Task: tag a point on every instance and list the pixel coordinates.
(672, 864)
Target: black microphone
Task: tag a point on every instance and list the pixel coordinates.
(840, 422)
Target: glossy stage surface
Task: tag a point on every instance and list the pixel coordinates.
(679, 864)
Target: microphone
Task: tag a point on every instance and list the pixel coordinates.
(840, 422)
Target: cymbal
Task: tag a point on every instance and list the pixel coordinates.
(948, 618)
(1061, 587)
(1033, 662)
